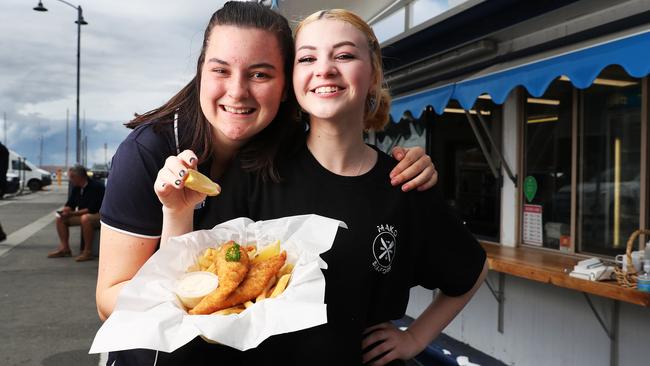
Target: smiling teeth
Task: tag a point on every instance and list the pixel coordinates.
(237, 110)
(326, 89)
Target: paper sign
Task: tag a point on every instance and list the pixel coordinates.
(533, 225)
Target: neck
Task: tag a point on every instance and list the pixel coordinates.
(224, 152)
(339, 147)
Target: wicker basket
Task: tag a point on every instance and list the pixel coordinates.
(628, 279)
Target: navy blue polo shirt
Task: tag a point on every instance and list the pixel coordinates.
(89, 197)
(131, 204)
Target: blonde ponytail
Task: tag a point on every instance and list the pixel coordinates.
(377, 110)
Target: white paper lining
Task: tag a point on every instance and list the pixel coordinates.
(149, 315)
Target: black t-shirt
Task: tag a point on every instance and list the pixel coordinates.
(89, 197)
(394, 241)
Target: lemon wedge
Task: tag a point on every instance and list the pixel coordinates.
(200, 183)
(267, 252)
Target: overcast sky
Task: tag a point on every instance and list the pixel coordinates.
(135, 55)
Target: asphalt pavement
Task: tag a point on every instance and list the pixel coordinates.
(47, 308)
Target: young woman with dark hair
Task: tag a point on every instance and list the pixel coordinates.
(240, 102)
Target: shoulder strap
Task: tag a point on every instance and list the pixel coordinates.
(178, 150)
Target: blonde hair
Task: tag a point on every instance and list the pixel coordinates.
(378, 99)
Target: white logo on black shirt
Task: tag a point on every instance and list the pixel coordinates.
(384, 248)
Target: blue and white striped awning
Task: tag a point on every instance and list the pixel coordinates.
(581, 65)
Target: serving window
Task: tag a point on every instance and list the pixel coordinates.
(465, 178)
(582, 164)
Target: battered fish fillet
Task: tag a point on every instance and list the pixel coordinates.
(231, 274)
(256, 280)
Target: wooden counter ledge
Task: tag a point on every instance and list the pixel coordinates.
(554, 268)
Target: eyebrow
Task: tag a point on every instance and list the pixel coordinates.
(260, 65)
(337, 45)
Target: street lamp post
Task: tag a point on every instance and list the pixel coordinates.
(80, 21)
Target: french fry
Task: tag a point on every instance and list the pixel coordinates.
(194, 268)
(282, 284)
(232, 310)
(248, 304)
(267, 290)
(204, 262)
(287, 269)
(212, 268)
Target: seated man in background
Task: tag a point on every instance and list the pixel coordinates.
(82, 208)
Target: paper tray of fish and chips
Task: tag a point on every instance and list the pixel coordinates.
(236, 284)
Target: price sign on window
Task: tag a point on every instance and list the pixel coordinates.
(533, 225)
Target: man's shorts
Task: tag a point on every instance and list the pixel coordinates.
(76, 220)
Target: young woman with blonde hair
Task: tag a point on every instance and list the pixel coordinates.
(394, 240)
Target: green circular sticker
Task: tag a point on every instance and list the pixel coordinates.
(530, 187)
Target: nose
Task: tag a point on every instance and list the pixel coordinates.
(238, 87)
(325, 68)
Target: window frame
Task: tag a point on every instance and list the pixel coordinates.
(576, 120)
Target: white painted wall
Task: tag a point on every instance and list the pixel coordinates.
(546, 325)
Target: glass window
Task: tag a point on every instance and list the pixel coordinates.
(423, 10)
(19, 165)
(609, 162)
(390, 26)
(466, 180)
(408, 132)
(547, 167)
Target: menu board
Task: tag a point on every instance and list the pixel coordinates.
(533, 226)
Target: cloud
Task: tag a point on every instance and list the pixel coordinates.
(135, 55)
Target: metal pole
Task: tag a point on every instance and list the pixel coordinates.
(80, 21)
(67, 129)
(84, 141)
(496, 149)
(79, 18)
(40, 153)
(481, 143)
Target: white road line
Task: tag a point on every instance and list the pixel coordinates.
(103, 358)
(18, 237)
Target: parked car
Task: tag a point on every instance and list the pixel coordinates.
(35, 177)
(98, 171)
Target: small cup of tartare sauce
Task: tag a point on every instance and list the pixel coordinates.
(194, 286)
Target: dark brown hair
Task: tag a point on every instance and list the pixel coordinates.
(260, 152)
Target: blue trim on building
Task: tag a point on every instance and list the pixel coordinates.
(581, 66)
